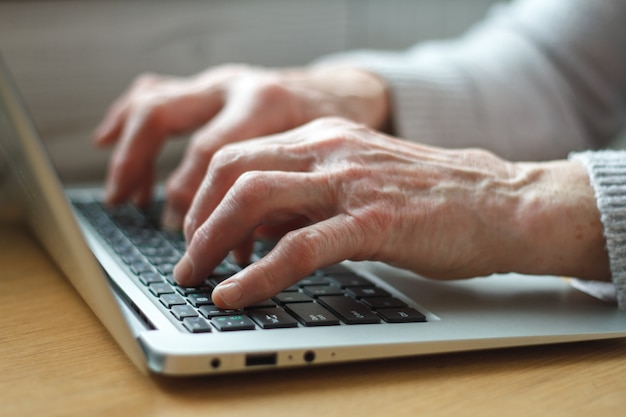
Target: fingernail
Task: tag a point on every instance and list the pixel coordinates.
(183, 270)
(172, 219)
(230, 293)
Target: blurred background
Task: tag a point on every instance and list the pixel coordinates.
(71, 59)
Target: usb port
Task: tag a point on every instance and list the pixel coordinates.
(263, 359)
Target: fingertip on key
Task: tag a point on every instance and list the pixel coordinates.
(229, 294)
(183, 271)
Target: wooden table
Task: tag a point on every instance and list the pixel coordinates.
(57, 360)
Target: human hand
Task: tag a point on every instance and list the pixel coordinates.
(336, 190)
(222, 105)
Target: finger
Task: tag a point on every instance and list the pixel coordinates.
(296, 256)
(230, 163)
(243, 253)
(255, 199)
(143, 194)
(110, 128)
(239, 120)
(184, 182)
(147, 127)
(131, 162)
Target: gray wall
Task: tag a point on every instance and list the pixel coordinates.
(72, 58)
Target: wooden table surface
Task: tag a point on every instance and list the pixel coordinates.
(57, 360)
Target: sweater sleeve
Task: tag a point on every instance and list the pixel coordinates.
(536, 80)
(607, 173)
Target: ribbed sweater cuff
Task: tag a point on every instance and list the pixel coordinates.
(607, 172)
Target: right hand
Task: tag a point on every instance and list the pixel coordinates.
(333, 190)
(223, 105)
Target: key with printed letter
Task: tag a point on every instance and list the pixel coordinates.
(228, 323)
(312, 314)
(272, 318)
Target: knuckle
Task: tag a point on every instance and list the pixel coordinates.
(270, 91)
(333, 122)
(146, 79)
(224, 161)
(326, 122)
(146, 111)
(251, 189)
(304, 246)
(478, 156)
(229, 69)
(375, 220)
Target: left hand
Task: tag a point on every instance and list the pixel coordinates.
(336, 190)
(222, 105)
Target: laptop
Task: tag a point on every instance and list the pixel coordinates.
(120, 262)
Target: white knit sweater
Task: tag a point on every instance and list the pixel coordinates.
(538, 79)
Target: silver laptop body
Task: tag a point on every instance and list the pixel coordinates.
(482, 313)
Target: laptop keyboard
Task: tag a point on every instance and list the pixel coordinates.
(330, 296)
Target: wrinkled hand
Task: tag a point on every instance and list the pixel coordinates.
(335, 190)
(222, 105)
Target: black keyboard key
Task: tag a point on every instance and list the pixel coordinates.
(161, 288)
(272, 318)
(194, 290)
(292, 297)
(316, 280)
(165, 269)
(121, 246)
(230, 323)
(214, 281)
(312, 314)
(184, 311)
(401, 315)
(210, 311)
(226, 269)
(336, 269)
(150, 277)
(170, 278)
(351, 280)
(132, 257)
(198, 300)
(175, 237)
(162, 259)
(170, 300)
(269, 303)
(140, 267)
(363, 292)
(383, 302)
(197, 325)
(293, 288)
(349, 310)
(322, 290)
(161, 252)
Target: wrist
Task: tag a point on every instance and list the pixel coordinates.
(558, 223)
(343, 91)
